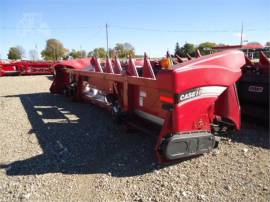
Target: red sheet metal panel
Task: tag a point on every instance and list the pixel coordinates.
(74, 63)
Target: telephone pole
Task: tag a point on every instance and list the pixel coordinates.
(242, 30)
(107, 39)
(81, 51)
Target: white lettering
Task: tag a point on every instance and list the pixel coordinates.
(189, 95)
(257, 89)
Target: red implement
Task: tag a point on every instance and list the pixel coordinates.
(190, 102)
(253, 89)
(26, 68)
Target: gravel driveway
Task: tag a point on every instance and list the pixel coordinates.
(52, 149)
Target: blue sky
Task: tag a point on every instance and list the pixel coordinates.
(153, 26)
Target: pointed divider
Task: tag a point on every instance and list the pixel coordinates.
(117, 66)
(168, 55)
(263, 59)
(181, 60)
(198, 53)
(189, 57)
(108, 66)
(131, 69)
(96, 63)
(147, 68)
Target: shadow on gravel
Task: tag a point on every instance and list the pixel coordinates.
(80, 138)
(253, 132)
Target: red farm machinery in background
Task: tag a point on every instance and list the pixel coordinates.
(188, 103)
(253, 87)
(15, 68)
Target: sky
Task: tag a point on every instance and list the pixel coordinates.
(152, 26)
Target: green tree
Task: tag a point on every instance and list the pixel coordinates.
(54, 50)
(82, 53)
(77, 54)
(206, 47)
(15, 53)
(187, 48)
(90, 54)
(112, 53)
(177, 50)
(124, 50)
(97, 52)
(119, 49)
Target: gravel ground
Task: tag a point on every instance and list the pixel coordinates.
(52, 149)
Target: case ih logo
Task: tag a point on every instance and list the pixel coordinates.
(189, 95)
(256, 89)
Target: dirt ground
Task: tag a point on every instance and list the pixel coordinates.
(52, 149)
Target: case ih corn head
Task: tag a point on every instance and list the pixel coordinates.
(189, 102)
(26, 68)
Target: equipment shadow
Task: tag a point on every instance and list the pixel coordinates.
(81, 138)
(254, 132)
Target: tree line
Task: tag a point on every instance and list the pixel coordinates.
(55, 50)
(190, 49)
(204, 48)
